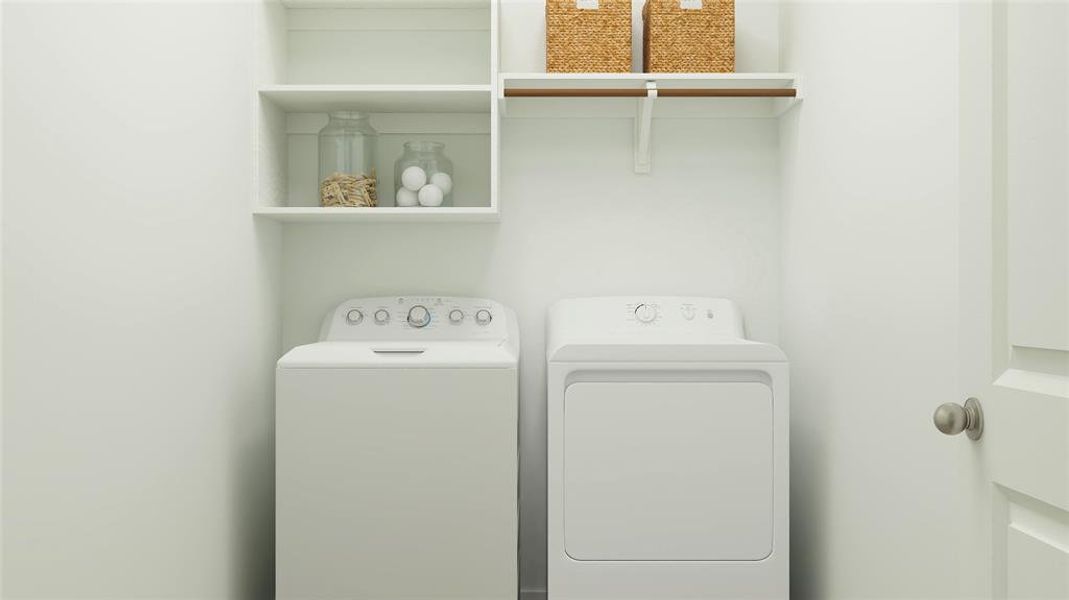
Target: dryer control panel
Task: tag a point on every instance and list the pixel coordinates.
(646, 319)
(410, 318)
(696, 313)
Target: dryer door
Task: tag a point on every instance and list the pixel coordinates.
(668, 471)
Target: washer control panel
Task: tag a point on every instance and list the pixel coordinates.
(401, 318)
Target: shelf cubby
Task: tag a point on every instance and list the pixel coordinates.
(387, 43)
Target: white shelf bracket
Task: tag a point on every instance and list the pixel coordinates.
(499, 91)
(643, 126)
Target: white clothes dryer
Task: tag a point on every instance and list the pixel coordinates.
(667, 452)
(396, 453)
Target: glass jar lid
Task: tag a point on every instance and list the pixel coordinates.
(348, 115)
(424, 146)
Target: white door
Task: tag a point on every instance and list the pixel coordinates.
(1014, 242)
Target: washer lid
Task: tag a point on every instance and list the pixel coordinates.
(651, 328)
(371, 355)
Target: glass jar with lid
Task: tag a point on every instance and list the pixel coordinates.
(347, 160)
(423, 176)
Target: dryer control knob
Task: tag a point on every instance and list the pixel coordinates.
(483, 317)
(456, 315)
(382, 316)
(645, 313)
(419, 316)
(354, 317)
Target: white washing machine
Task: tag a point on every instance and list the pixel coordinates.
(396, 453)
(667, 452)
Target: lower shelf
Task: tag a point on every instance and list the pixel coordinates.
(385, 214)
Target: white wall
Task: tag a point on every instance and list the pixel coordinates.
(576, 221)
(131, 265)
(869, 307)
(141, 320)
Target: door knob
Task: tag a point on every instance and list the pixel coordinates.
(952, 419)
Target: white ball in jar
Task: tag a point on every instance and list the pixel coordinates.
(406, 197)
(431, 195)
(443, 181)
(414, 178)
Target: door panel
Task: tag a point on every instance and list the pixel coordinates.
(1033, 42)
(1032, 548)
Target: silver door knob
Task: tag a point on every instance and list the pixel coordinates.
(952, 419)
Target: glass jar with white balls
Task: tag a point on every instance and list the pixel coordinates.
(423, 176)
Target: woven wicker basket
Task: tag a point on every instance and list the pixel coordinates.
(588, 40)
(688, 36)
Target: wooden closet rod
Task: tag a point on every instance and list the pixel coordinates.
(641, 93)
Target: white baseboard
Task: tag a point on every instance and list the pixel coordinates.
(532, 594)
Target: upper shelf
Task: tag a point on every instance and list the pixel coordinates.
(380, 98)
(600, 85)
(378, 214)
(690, 94)
(386, 3)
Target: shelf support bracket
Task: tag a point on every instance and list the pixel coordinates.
(643, 127)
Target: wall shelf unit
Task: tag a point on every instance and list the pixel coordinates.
(429, 70)
(422, 70)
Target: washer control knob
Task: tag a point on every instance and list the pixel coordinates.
(483, 317)
(419, 316)
(645, 313)
(687, 311)
(456, 315)
(354, 317)
(382, 316)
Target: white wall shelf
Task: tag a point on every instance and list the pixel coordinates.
(380, 98)
(386, 3)
(694, 95)
(388, 214)
(437, 75)
(646, 96)
(591, 80)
